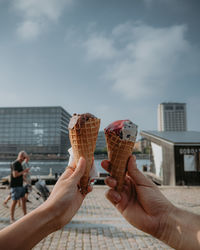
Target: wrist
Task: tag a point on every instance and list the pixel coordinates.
(48, 218)
(181, 230)
(169, 228)
(51, 217)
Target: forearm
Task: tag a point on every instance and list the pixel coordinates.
(17, 174)
(181, 230)
(28, 231)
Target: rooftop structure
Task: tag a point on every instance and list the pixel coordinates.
(178, 138)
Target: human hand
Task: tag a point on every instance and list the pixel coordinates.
(26, 170)
(66, 198)
(141, 202)
(27, 159)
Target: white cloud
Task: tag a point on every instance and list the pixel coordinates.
(29, 30)
(37, 14)
(100, 47)
(50, 9)
(148, 59)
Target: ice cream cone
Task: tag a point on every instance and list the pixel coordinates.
(83, 136)
(119, 151)
(120, 138)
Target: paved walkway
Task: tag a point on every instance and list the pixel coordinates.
(98, 225)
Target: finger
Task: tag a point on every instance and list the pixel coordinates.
(111, 182)
(136, 175)
(113, 196)
(106, 165)
(90, 188)
(130, 185)
(80, 169)
(72, 164)
(68, 171)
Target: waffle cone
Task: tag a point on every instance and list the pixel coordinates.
(118, 154)
(83, 141)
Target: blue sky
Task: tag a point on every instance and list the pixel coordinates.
(115, 59)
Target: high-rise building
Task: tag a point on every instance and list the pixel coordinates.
(172, 117)
(101, 141)
(41, 131)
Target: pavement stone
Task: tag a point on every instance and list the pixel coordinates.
(98, 225)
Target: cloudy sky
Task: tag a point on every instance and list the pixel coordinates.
(117, 59)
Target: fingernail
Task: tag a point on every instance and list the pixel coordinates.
(112, 181)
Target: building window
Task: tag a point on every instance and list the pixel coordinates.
(192, 162)
(179, 108)
(169, 108)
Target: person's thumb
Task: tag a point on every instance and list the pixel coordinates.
(135, 173)
(80, 169)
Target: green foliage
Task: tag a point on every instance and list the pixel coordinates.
(100, 151)
(136, 152)
(147, 150)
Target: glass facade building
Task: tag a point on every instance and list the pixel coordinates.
(41, 131)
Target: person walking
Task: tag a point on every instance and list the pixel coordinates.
(16, 184)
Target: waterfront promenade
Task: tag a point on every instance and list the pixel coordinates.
(98, 225)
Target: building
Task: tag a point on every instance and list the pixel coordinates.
(41, 131)
(101, 142)
(175, 156)
(137, 146)
(145, 145)
(172, 117)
